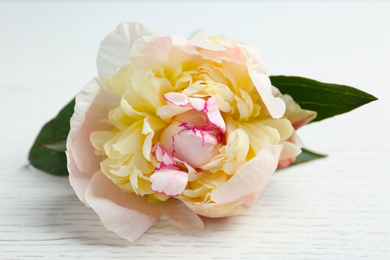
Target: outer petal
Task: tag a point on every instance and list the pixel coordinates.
(177, 212)
(276, 107)
(250, 178)
(257, 72)
(240, 193)
(114, 51)
(92, 104)
(123, 213)
(78, 179)
(291, 149)
(297, 116)
(173, 50)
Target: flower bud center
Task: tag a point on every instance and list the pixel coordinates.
(192, 139)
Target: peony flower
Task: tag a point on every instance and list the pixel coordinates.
(177, 128)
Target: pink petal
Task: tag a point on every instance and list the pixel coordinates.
(126, 214)
(228, 50)
(195, 147)
(203, 41)
(210, 107)
(114, 51)
(154, 51)
(297, 116)
(181, 100)
(168, 181)
(177, 212)
(164, 157)
(78, 179)
(290, 150)
(214, 115)
(251, 178)
(92, 105)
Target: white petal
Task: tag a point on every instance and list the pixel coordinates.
(114, 51)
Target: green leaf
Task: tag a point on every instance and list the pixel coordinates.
(326, 99)
(48, 150)
(307, 156)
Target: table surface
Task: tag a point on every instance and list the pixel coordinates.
(333, 208)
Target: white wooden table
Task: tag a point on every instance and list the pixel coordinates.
(333, 208)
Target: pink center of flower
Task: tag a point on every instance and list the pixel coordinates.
(191, 140)
(196, 145)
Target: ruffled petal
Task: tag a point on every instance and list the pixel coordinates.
(202, 143)
(295, 114)
(275, 106)
(169, 181)
(114, 51)
(181, 100)
(214, 115)
(126, 214)
(210, 107)
(250, 178)
(154, 51)
(241, 191)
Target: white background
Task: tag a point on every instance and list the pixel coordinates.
(333, 208)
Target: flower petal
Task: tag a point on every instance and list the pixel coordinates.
(78, 179)
(275, 106)
(296, 114)
(216, 210)
(177, 212)
(241, 191)
(250, 178)
(214, 115)
(210, 107)
(202, 143)
(92, 104)
(114, 51)
(290, 150)
(181, 100)
(169, 181)
(126, 214)
(203, 41)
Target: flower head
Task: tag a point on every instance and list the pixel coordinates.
(179, 128)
